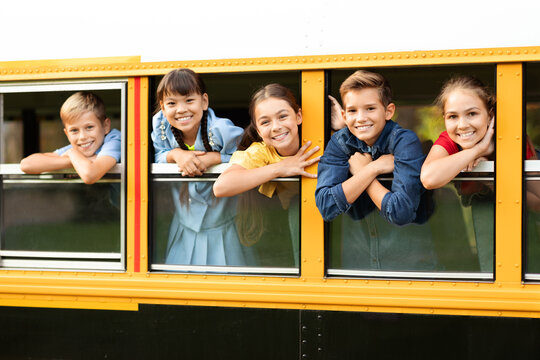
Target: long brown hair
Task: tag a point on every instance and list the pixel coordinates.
(470, 83)
(250, 219)
(269, 91)
(184, 82)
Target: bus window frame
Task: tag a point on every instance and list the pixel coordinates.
(51, 260)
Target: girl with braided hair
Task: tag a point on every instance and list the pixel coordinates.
(187, 132)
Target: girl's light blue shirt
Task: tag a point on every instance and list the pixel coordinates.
(223, 137)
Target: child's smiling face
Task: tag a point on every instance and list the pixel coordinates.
(185, 112)
(86, 133)
(365, 114)
(277, 124)
(466, 118)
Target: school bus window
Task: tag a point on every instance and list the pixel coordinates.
(452, 233)
(256, 231)
(532, 173)
(54, 220)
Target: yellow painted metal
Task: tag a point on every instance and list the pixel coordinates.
(130, 195)
(509, 173)
(506, 296)
(143, 166)
(51, 302)
(312, 225)
(94, 68)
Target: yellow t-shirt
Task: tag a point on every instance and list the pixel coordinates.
(258, 155)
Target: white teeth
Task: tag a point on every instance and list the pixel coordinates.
(280, 136)
(364, 127)
(86, 145)
(184, 118)
(467, 134)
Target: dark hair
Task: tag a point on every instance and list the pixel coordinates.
(269, 91)
(471, 83)
(184, 82)
(363, 79)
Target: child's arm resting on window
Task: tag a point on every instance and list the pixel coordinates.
(90, 169)
(365, 172)
(440, 168)
(237, 179)
(399, 205)
(43, 162)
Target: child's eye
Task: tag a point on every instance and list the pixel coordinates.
(351, 111)
(189, 101)
(283, 116)
(170, 103)
(371, 108)
(473, 113)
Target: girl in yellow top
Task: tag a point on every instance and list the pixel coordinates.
(270, 148)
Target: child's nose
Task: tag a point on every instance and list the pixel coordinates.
(462, 123)
(276, 125)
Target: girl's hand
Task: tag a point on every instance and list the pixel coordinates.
(474, 163)
(336, 114)
(358, 161)
(296, 164)
(188, 162)
(385, 164)
(487, 145)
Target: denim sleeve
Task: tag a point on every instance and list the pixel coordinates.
(399, 206)
(224, 136)
(333, 170)
(161, 146)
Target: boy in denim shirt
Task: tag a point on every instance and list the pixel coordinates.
(370, 145)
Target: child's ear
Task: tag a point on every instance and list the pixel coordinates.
(299, 117)
(107, 125)
(65, 131)
(161, 105)
(390, 110)
(205, 101)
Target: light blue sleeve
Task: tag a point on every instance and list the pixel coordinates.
(62, 150)
(160, 138)
(224, 136)
(112, 145)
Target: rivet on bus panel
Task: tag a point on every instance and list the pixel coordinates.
(516, 265)
(499, 52)
(500, 137)
(517, 201)
(382, 57)
(387, 282)
(465, 53)
(499, 285)
(304, 259)
(345, 281)
(499, 264)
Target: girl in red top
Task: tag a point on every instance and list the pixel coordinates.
(468, 109)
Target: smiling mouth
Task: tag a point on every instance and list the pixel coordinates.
(280, 136)
(86, 145)
(184, 118)
(466, 135)
(363, 127)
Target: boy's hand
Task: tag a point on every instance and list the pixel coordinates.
(358, 161)
(385, 164)
(336, 114)
(188, 162)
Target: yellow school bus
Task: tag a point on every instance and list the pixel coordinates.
(83, 268)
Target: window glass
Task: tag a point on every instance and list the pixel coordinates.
(457, 239)
(191, 230)
(54, 220)
(248, 230)
(532, 173)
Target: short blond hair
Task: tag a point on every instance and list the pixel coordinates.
(363, 79)
(82, 102)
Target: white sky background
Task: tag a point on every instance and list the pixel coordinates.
(212, 29)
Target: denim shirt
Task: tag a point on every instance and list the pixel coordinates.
(402, 205)
(223, 136)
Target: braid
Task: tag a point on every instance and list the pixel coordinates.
(179, 138)
(204, 131)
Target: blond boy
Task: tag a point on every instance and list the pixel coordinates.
(93, 147)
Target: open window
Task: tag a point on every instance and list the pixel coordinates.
(192, 231)
(54, 220)
(457, 240)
